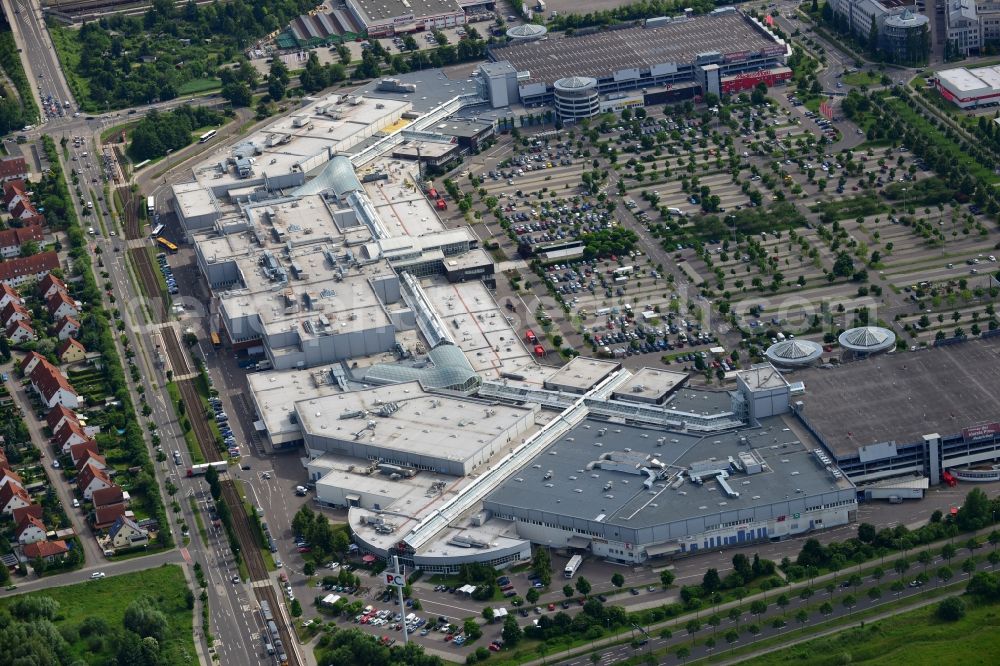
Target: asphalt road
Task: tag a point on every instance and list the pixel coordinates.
(41, 65)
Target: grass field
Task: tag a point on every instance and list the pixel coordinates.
(916, 638)
(861, 79)
(107, 599)
(195, 86)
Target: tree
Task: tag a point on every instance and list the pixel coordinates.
(511, 633)
(969, 566)
(732, 636)
(826, 608)
(488, 614)
(802, 616)
(471, 629)
(948, 551)
(531, 596)
(666, 579)
(683, 652)
(295, 608)
(844, 265)
(711, 581)
(237, 93)
(951, 609)
(975, 513)
(875, 593)
(617, 580)
(568, 591)
(693, 626)
(866, 533)
(583, 586)
(145, 619)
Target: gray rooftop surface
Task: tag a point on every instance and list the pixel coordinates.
(583, 373)
(901, 397)
(700, 401)
(631, 505)
(434, 87)
(650, 384)
(603, 53)
(376, 10)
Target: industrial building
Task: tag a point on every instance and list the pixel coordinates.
(665, 60)
(894, 417)
(970, 88)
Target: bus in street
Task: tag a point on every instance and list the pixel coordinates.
(150, 204)
(206, 136)
(164, 243)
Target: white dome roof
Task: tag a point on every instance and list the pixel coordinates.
(867, 339)
(794, 352)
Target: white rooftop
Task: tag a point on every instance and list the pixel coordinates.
(962, 79)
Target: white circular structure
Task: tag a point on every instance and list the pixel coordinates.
(867, 339)
(794, 352)
(576, 98)
(526, 32)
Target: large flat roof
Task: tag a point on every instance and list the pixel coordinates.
(603, 53)
(650, 384)
(403, 209)
(478, 325)
(277, 392)
(627, 502)
(582, 374)
(901, 397)
(962, 79)
(379, 10)
(436, 425)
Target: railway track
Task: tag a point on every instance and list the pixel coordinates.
(178, 363)
(267, 594)
(249, 544)
(148, 275)
(133, 227)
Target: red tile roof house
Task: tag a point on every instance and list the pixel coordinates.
(14, 191)
(17, 271)
(61, 305)
(70, 350)
(30, 530)
(59, 416)
(30, 362)
(30, 510)
(67, 328)
(11, 240)
(23, 210)
(10, 476)
(12, 312)
(7, 294)
(50, 551)
(91, 459)
(72, 435)
(13, 496)
(13, 167)
(20, 332)
(92, 478)
(52, 387)
(49, 285)
(108, 496)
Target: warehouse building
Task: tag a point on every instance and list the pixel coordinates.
(898, 416)
(667, 59)
(970, 88)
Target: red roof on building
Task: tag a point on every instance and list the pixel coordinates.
(58, 413)
(23, 209)
(48, 281)
(20, 323)
(9, 291)
(9, 490)
(13, 475)
(19, 513)
(45, 549)
(67, 322)
(108, 496)
(88, 474)
(78, 451)
(29, 357)
(14, 307)
(106, 516)
(67, 343)
(33, 265)
(12, 188)
(90, 457)
(58, 299)
(49, 380)
(26, 522)
(13, 167)
(18, 236)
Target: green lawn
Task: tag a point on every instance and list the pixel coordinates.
(916, 638)
(861, 79)
(107, 599)
(195, 86)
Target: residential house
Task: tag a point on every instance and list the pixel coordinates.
(12, 168)
(10, 476)
(49, 551)
(92, 459)
(11, 240)
(13, 311)
(67, 328)
(70, 436)
(61, 305)
(7, 295)
(108, 496)
(126, 533)
(92, 478)
(30, 530)
(31, 510)
(49, 285)
(13, 496)
(71, 351)
(14, 191)
(52, 386)
(23, 210)
(17, 271)
(59, 416)
(104, 517)
(30, 362)
(78, 452)
(20, 332)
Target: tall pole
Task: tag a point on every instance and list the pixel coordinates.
(402, 606)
